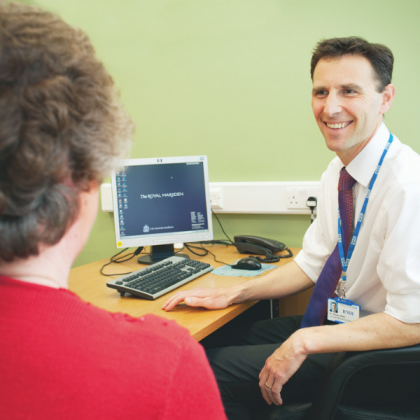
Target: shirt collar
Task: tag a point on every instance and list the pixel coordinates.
(362, 167)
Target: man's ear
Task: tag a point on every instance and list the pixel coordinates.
(387, 98)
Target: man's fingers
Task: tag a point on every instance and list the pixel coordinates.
(191, 298)
(266, 383)
(207, 298)
(205, 302)
(270, 384)
(193, 301)
(275, 393)
(173, 301)
(270, 391)
(265, 390)
(170, 304)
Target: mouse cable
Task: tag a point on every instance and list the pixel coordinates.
(269, 257)
(190, 246)
(214, 256)
(206, 251)
(120, 260)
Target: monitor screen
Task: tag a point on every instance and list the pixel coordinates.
(160, 202)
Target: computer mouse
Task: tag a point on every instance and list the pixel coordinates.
(248, 263)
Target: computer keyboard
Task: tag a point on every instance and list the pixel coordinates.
(160, 278)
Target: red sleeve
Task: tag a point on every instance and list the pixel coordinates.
(192, 392)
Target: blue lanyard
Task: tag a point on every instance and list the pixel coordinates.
(345, 261)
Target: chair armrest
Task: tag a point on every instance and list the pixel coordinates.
(345, 365)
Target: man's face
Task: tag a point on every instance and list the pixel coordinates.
(346, 104)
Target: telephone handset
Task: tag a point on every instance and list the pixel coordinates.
(247, 244)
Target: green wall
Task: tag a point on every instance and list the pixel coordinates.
(230, 79)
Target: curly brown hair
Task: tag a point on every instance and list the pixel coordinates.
(62, 127)
(379, 56)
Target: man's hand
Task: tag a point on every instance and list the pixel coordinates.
(278, 368)
(286, 280)
(217, 298)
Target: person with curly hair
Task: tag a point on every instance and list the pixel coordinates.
(62, 129)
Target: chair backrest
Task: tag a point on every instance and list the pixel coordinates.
(328, 404)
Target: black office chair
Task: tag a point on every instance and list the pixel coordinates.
(328, 404)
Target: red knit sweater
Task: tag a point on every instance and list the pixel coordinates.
(62, 358)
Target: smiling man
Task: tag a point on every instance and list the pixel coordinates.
(370, 257)
(348, 103)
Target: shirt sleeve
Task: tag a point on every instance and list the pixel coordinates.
(192, 392)
(399, 263)
(321, 237)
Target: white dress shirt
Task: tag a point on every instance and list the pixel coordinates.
(384, 271)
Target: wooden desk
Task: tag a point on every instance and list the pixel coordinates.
(90, 285)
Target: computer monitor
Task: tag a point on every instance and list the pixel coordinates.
(160, 202)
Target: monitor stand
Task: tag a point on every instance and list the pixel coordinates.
(159, 253)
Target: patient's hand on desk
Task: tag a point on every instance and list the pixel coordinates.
(217, 298)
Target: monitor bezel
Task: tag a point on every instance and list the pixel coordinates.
(162, 239)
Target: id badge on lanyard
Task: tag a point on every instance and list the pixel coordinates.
(341, 309)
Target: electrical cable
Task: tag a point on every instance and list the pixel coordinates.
(214, 256)
(312, 202)
(120, 260)
(190, 248)
(180, 250)
(206, 251)
(269, 257)
(215, 215)
(216, 242)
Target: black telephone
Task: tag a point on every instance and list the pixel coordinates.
(247, 244)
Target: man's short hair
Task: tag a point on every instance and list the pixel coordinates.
(379, 56)
(62, 127)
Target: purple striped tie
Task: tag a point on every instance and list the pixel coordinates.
(331, 273)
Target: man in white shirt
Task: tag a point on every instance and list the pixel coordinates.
(352, 91)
